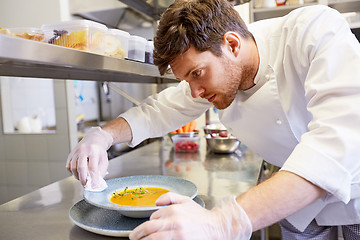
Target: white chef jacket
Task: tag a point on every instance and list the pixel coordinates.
(303, 114)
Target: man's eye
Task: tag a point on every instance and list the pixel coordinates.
(197, 73)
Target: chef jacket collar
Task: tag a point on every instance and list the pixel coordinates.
(259, 79)
(262, 55)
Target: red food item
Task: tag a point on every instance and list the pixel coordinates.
(223, 134)
(280, 2)
(186, 146)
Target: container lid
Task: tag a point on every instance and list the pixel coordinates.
(150, 45)
(138, 39)
(114, 31)
(25, 29)
(30, 33)
(74, 23)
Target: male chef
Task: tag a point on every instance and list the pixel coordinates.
(288, 88)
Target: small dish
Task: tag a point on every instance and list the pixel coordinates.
(218, 144)
(173, 184)
(106, 222)
(186, 143)
(189, 134)
(136, 50)
(214, 128)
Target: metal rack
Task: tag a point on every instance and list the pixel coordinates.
(264, 13)
(26, 58)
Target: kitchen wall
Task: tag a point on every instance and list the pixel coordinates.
(26, 98)
(87, 100)
(31, 161)
(114, 104)
(23, 13)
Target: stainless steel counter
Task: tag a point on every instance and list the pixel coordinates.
(43, 214)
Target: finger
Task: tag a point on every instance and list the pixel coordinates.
(94, 170)
(170, 198)
(162, 235)
(176, 204)
(68, 162)
(147, 228)
(103, 164)
(73, 166)
(166, 212)
(82, 169)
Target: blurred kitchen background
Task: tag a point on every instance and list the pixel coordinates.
(41, 120)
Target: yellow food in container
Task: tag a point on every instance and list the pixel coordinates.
(116, 43)
(35, 34)
(82, 35)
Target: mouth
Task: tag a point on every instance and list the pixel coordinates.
(212, 98)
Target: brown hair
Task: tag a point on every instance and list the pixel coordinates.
(200, 23)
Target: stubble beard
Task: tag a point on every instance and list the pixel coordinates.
(237, 77)
(233, 80)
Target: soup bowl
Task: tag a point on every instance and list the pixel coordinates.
(116, 185)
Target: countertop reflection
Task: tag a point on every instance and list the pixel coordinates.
(43, 214)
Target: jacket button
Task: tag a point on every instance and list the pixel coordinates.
(278, 122)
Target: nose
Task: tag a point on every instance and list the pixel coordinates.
(196, 90)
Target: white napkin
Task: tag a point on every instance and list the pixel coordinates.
(102, 184)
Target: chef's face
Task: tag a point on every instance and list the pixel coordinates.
(214, 78)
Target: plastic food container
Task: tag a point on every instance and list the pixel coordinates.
(149, 52)
(190, 134)
(116, 43)
(137, 47)
(35, 34)
(183, 143)
(78, 34)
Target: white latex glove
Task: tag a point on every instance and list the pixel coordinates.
(185, 219)
(89, 157)
(102, 185)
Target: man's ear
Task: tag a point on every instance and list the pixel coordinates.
(232, 42)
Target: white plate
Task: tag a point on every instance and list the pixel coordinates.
(106, 222)
(173, 184)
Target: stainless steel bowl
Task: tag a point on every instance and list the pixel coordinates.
(214, 128)
(222, 145)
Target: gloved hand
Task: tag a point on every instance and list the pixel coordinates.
(90, 156)
(185, 219)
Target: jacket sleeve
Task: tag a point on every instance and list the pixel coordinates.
(328, 154)
(164, 112)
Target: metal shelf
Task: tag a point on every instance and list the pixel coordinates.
(26, 58)
(344, 6)
(286, 8)
(265, 13)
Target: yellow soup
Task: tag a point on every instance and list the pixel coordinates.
(141, 196)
